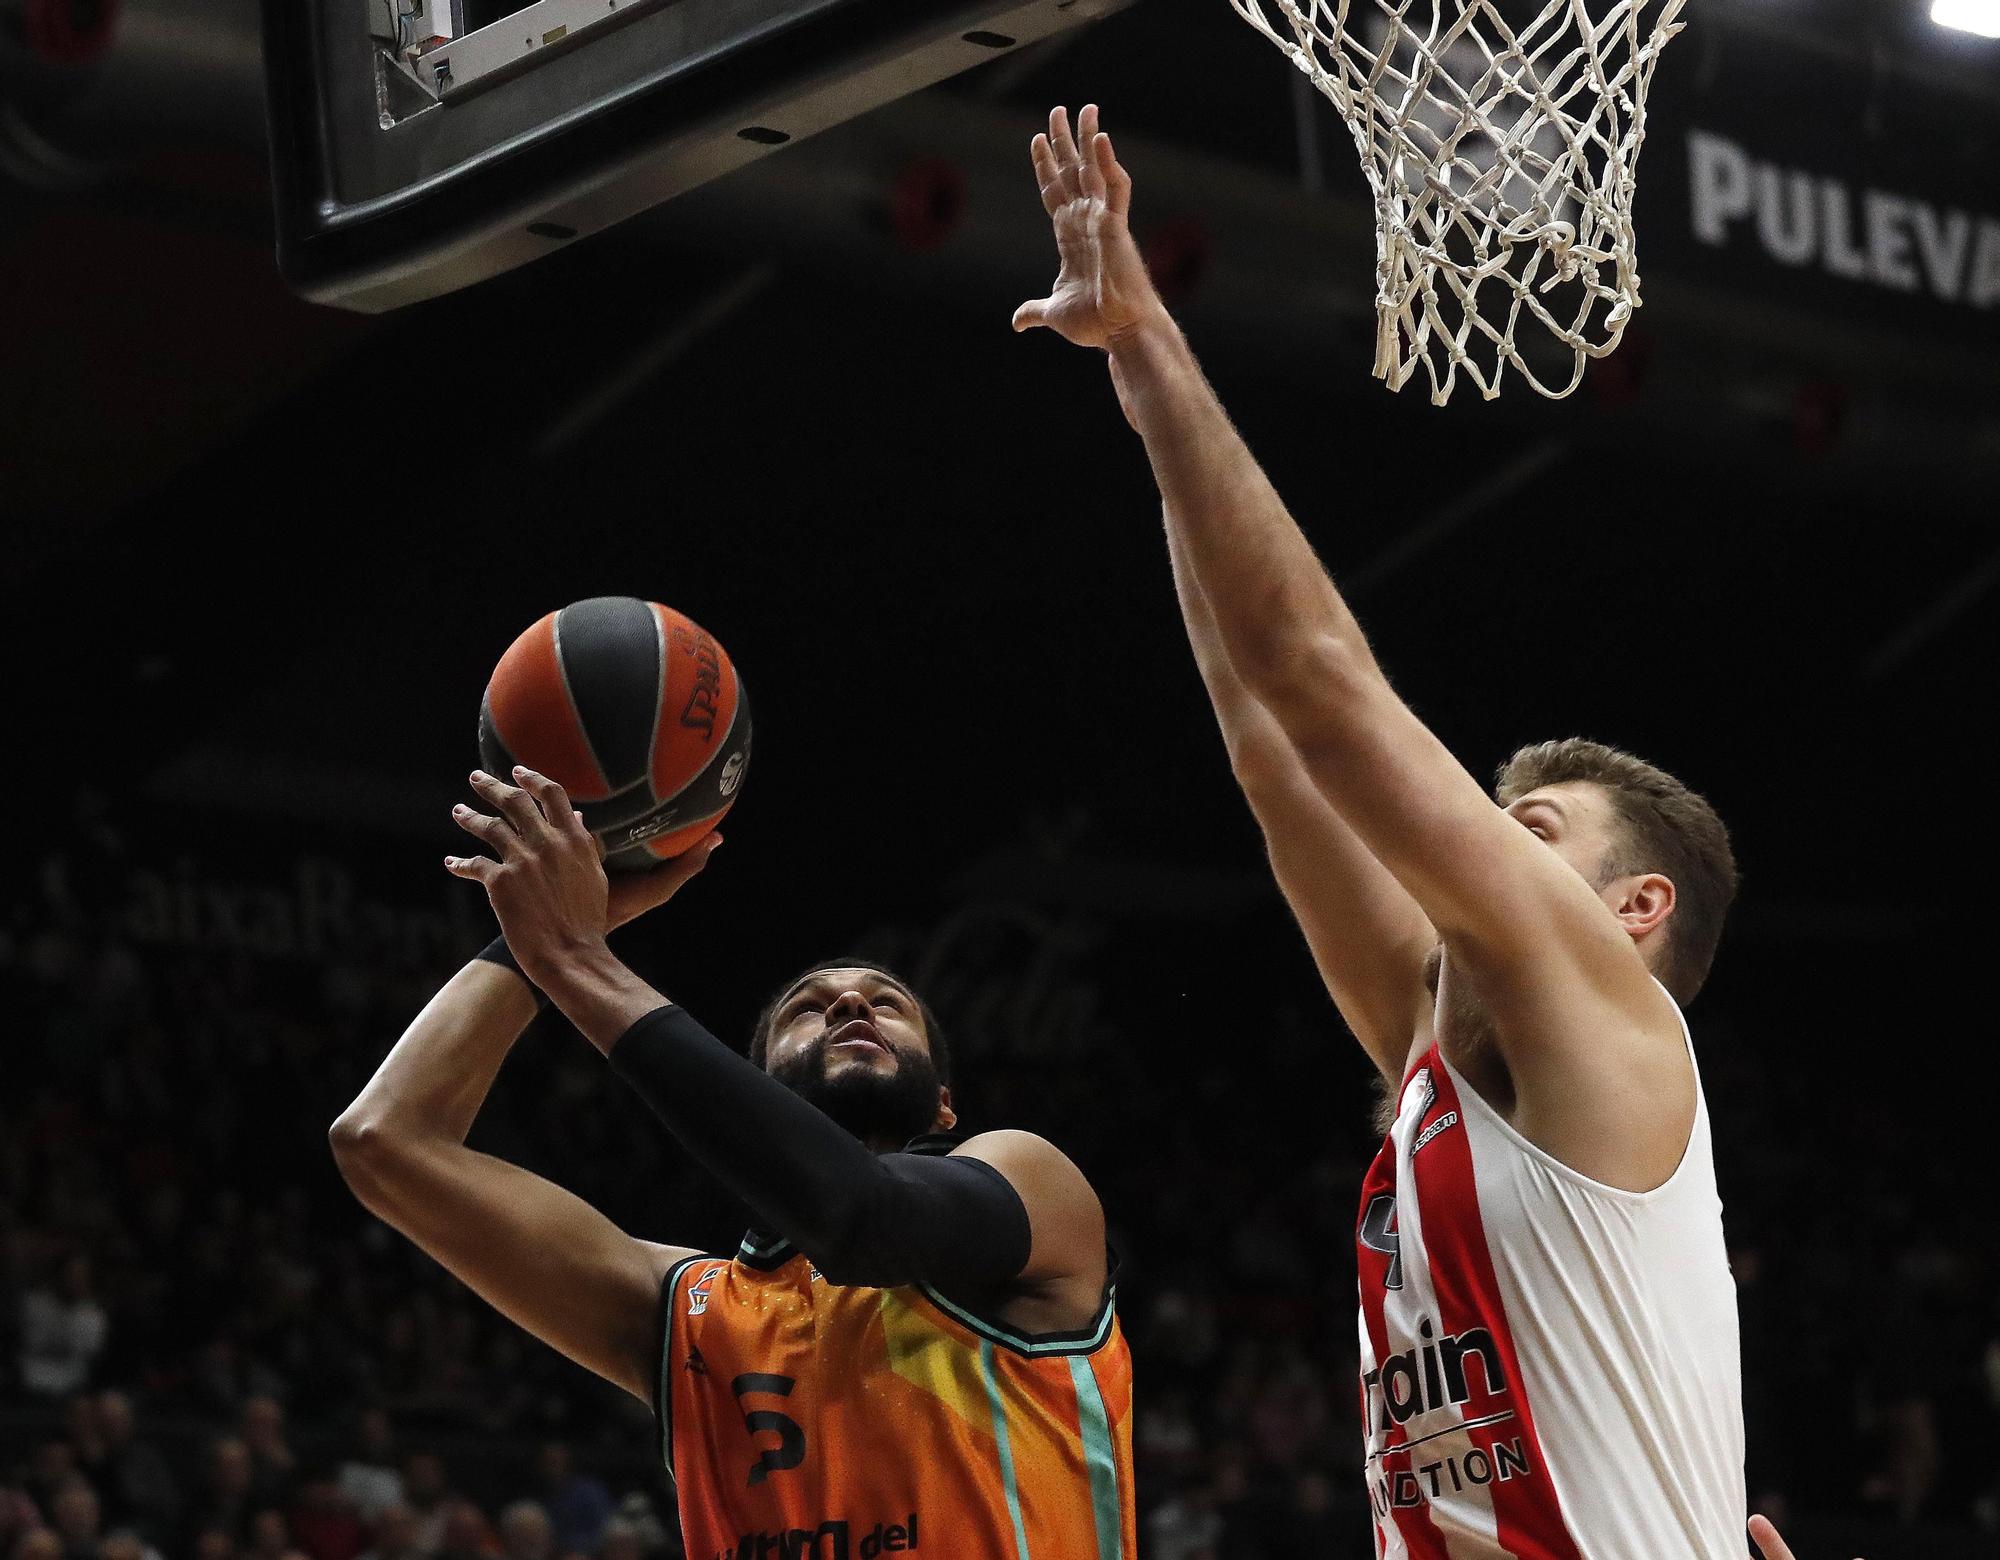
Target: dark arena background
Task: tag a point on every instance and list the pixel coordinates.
(261, 554)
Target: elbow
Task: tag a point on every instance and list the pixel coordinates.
(1263, 765)
(352, 1136)
(1311, 683)
(360, 1148)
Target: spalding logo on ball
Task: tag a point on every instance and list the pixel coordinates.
(634, 711)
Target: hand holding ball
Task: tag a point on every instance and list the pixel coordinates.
(635, 712)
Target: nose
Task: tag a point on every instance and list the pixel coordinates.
(849, 1004)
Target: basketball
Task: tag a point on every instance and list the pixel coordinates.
(633, 710)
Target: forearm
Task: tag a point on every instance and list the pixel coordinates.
(862, 1217)
(400, 1143)
(540, 1255)
(800, 1173)
(1272, 601)
(439, 1072)
(1253, 739)
(1367, 936)
(597, 992)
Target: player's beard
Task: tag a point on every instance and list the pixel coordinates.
(876, 1107)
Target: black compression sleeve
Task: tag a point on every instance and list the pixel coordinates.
(863, 1218)
(497, 952)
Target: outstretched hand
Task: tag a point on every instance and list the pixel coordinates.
(1102, 291)
(548, 886)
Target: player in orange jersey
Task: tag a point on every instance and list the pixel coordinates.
(914, 1351)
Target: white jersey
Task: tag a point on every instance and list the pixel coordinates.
(1549, 1366)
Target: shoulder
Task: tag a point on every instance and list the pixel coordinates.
(674, 1268)
(1068, 1261)
(1062, 1205)
(665, 1262)
(1023, 1155)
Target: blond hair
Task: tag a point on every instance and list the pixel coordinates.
(1663, 827)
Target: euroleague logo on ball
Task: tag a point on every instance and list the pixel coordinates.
(650, 828)
(732, 771)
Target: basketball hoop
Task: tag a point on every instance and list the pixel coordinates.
(1502, 160)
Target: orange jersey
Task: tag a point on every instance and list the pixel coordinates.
(803, 1420)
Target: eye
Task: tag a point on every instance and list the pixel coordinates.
(887, 1001)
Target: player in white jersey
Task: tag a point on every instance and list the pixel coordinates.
(1549, 1356)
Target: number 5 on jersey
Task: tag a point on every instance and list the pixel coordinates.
(791, 1448)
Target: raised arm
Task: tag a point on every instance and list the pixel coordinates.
(1543, 947)
(539, 1255)
(1367, 935)
(1006, 1212)
(1569, 992)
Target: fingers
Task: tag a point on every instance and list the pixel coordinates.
(1029, 315)
(493, 831)
(666, 881)
(531, 810)
(692, 860)
(1069, 167)
(477, 868)
(1116, 182)
(632, 894)
(1047, 175)
(511, 802)
(551, 798)
(1089, 175)
(1064, 147)
(1769, 1544)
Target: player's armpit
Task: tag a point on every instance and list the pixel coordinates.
(538, 1254)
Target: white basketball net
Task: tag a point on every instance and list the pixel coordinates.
(1502, 160)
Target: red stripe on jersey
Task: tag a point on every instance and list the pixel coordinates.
(1417, 1526)
(1528, 1513)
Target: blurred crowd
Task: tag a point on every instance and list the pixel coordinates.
(208, 1350)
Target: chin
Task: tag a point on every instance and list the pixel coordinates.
(871, 1061)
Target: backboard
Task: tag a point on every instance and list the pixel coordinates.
(419, 146)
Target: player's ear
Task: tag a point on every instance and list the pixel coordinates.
(947, 1118)
(1644, 903)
